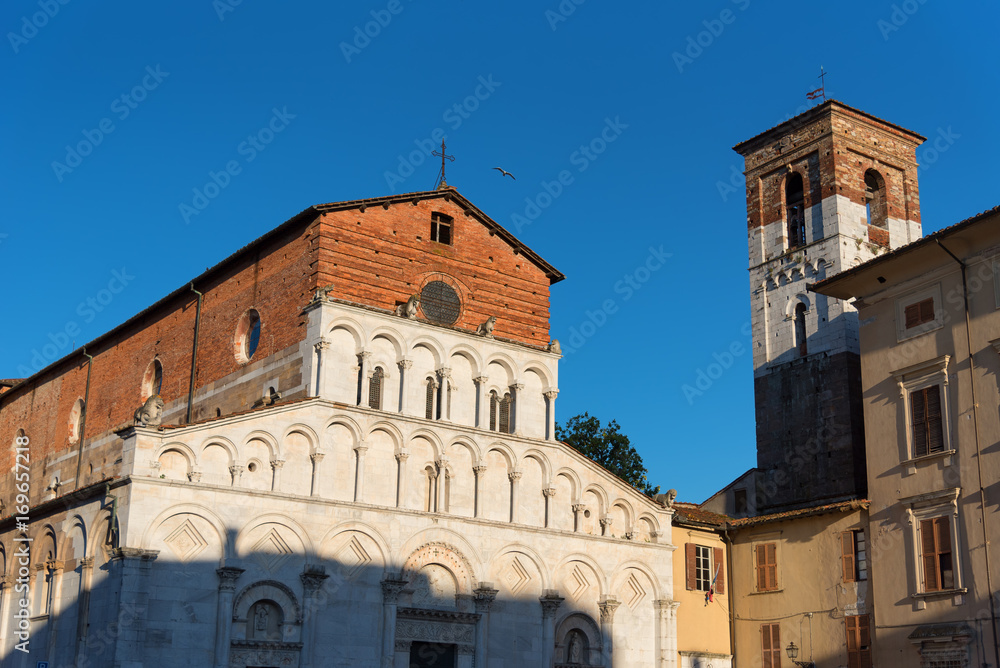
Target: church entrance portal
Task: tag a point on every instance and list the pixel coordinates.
(432, 655)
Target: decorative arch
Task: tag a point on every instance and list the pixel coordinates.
(648, 517)
(469, 353)
(626, 508)
(76, 522)
(587, 631)
(352, 327)
(432, 345)
(271, 590)
(800, 298)
(602, 578)
(392, 430)
(622, 574)
(357, 526)
(350, 424)
(601, 494)
(506, 361)
(440, 536)
(279, 519)
(541, 371)
(468, 444)
(273, 447)
(444, 555)
(574, 481)
(43, 539)
(543, 462)
(504, 450)
(434, 439)
(225, 444)
(528, 553)
(391, 335)
(204, 512)
(306, 431)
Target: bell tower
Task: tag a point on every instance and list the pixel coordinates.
(826, 190)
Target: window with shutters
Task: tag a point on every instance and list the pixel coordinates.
(854, 555)
(503, 419)
(702, 567)
(766, 566)
(925, 417)
(919, 312)
(924, 392)
(375, 388)
(935, 554)
(770, 645)
(494, 402)
(705, 568)
(859, 641)
(430, 388)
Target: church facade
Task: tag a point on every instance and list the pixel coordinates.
(335, 448)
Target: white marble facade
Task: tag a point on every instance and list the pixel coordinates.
(321, 532)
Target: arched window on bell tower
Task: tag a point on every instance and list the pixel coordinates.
(795, 211)
(800, 328)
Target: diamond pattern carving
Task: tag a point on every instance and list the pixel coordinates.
(577, 583)
(354, 557)
(271, 551)
(516, 576)
(634, 593)
(185, 541)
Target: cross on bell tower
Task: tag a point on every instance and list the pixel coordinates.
(441, 181)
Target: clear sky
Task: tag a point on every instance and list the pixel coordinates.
(117, 113)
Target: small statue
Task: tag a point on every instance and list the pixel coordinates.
(486, 329)
(321, 293)
(150, 414)
(668, 498)
(409, 309)
(575, 650)
(554, 347)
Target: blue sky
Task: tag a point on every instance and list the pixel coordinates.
(661, 93)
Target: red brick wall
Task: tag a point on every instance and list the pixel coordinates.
(380, 257)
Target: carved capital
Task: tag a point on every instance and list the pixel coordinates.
(484, 596)
(405, 364)
(551, 394)
(481, 380)
(317, 457)
(517, 387)
(228, 575)
(321, 345)
(86, 562)
(550, 600)
(442, 462)
(312, 579)
(666, 605)
(607, 521)
(236, 470)
(364, 356)
(361, 449)
(444, 372)
(402, 456)
(391, 590)
(608, 607)
(515, 475)
(194, 476)
(124, 553)
(549, 492)
(579, 507)
(479, 469)
(277, 463)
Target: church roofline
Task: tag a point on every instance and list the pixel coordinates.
(810, 115)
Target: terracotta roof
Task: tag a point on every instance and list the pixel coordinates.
(913, 245)
(814, 111)
(690, 512)
(843, 506)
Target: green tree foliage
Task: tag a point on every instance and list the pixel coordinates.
(608, 447)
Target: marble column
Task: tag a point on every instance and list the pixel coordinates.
(606, 523)
(404, 367)
(550, 600)
(276, 465)
(666, 633)
(435, 399)
(391, 587)
(321, 349)
(483, 596)
(55, 570)
(364, 362)
(515, 479)
(482, 403)
(515, 414)
(550, 414)
(432, 493)
(608, 606)
(478, 470)
(312, 580)
(316, 458)
(83, 618)
(401, 458)
(444, 373)
(359, 473)
(548, 493)
(236, 471)
(228, 575)
(578, 509)
(440, 504)
(133, 566)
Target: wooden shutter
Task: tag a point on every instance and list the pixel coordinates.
(767, 567)
(919, 313)
(928, 552)
(770, 636)
(928, 424)
(859, 653)
(717, 563)
(690, 564)
(761, 568)
(848, 557)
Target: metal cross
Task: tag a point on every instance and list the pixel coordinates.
(444, 156)
(822, 81)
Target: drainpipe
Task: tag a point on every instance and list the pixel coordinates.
(732, 592)
(194, 353)
(113, 524)
(83, 422)
(979, 454)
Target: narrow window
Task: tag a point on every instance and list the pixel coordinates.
(800, 328)
(375, 389)
(928, 427)
(504, 417)
(703, 568)
(740, 501)
(429, 399)
(876, 211)
(493, 411)
(859, 641)
(441, 228)
(794, 213)
(935, 550)
(767, 567)
(253, 334)
(770, 635)
(919, 313)
(853, 557)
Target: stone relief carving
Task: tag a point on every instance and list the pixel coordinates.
(668, 498)
(554, 347)
(150, 414)
(409, 309)
(408, 629)
(486, 329)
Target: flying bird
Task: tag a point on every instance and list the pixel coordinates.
(505, 172)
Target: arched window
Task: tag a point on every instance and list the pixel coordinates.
(800, 328)
(76, 417)
(504, 417)
(429, 399)
(876, 206)
(247, 336)
(794, 210)
(375, 389)
(494, 402)
(431, 490)
(152, 380)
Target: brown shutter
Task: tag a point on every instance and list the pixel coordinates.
(765, 644)
(865, 641)
(772, 566)
(942, 549)
(717, 563)
(926, 310)
(847, 556)
(929, 554)
(935, 432)
(852, 642)
(912, 313)
(918, 413)
(691, 565)
(761, 568)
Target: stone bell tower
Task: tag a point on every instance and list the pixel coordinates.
(826, 190)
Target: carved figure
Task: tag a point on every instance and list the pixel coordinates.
(150, 414)
(575, 653)
(554, 347)
(409, 309)
(260, 618)
(321, 293)
(486, 329)
(668, 498)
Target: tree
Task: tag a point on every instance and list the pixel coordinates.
(608, 447)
